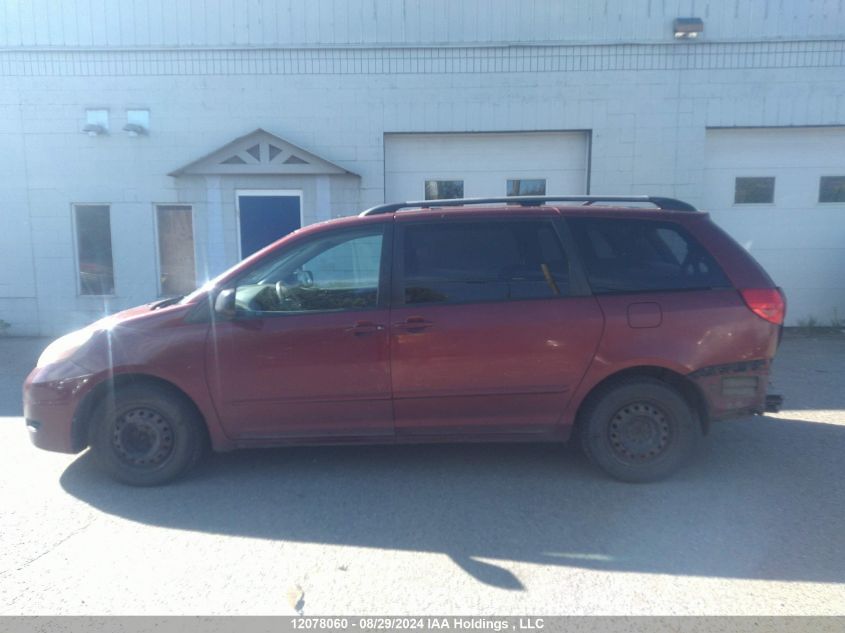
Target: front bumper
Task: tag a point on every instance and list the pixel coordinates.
(51, 398)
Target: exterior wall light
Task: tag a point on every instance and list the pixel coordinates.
(94, 129)
(137, 122)
(133, 129)
(688, 28)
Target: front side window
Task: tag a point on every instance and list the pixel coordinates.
(93, 249)
(754, 190)
(637, 255)
(460, 262)
(334, 272)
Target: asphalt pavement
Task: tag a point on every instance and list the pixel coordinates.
(754, 525)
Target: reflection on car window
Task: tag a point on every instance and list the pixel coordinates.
(457, 262)
(339, 271)
(636, 256)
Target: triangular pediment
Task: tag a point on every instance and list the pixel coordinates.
(259, 152)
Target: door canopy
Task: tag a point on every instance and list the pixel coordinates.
(260, 152)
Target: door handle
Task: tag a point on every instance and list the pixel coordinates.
(413, 324)
(364, 327)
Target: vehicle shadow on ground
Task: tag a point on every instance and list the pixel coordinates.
(763, 499)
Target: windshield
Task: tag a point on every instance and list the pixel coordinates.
(203, 289)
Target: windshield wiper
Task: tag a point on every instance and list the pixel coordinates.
(166, 302)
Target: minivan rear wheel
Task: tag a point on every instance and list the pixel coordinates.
(639, 430)
(145, 435)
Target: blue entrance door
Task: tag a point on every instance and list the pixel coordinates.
(266, 218)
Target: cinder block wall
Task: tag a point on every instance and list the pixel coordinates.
(334, 83)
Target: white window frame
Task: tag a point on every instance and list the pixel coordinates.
(156, 205)
(75, 240)
(239, 193)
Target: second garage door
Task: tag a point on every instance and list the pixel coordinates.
(432, 166)
(780, 192)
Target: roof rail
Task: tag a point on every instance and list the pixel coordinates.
(669, 204)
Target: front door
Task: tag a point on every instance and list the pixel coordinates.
(488, 331)
(307, 354)
(266, 216)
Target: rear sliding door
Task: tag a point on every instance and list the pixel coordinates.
(487, 332)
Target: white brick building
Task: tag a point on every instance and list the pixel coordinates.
(313, 109)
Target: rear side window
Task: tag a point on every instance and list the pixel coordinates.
(637, 256)
(459, 262)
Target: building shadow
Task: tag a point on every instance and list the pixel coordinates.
(763, 499)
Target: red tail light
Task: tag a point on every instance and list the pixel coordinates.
(766, 303)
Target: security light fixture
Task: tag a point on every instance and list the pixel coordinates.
(133, 129)
(94, 129)
(688, 28)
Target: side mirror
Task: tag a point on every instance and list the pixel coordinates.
(305, 278)
(224, 304)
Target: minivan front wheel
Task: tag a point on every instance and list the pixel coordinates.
(145, 435)
(639, 430)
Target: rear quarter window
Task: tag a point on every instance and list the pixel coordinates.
(643, 255)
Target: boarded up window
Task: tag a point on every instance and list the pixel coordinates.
(176, 249)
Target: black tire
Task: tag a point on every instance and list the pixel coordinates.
(638, 430)
(145, 435)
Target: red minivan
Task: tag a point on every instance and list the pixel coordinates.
(509, 319)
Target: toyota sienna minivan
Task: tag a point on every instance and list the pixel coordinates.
(504, 319)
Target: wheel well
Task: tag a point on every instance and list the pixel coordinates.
(686, 387)
(82, 418)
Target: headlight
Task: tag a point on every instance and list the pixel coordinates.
(65, 346)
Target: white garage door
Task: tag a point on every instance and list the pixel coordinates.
(484, 165)
(781, 194)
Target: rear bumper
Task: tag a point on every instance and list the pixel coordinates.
(774, 402)
(51, 398)
(736, 389)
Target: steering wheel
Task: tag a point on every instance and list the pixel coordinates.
(281, 292)
(287, 301)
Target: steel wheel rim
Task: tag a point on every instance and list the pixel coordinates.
(640, 432)
(142, 437)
